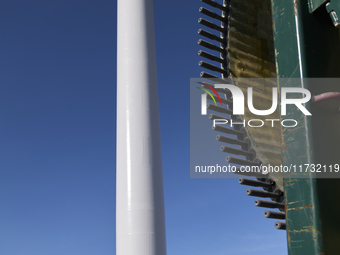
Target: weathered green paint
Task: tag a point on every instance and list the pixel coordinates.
(307, 45)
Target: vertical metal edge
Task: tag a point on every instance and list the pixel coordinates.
(302, 203)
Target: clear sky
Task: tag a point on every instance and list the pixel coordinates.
(57, 136)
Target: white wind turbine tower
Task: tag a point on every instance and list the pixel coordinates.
(140, 221)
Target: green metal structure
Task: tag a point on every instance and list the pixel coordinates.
(307, 45)
(291, 39)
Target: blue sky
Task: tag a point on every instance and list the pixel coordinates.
(57, 133)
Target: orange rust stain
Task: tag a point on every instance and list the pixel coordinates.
(287, 175)
(282, 141)
(295, 6)
(294, 129)
(287, 228)
(301, 207)
(285, 159)
(290, 181)
(275, 10)
(300, 231)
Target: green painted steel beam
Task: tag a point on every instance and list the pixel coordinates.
(306, 46)
(315, 4)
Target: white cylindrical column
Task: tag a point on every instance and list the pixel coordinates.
(140, 221)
